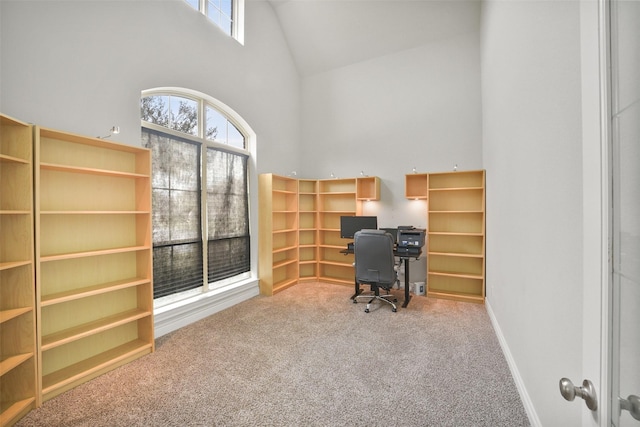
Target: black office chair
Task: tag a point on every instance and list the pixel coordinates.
(375, 266)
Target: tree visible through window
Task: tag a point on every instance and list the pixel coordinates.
(183, 257)
(181, 114)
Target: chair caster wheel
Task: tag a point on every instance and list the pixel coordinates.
(366, 310)
(355, 302)
(394, 310)
(395, 300)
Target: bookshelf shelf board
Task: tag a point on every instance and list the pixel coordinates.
(279, 286)
(13, 264)
(13, 361)
(91, 328)
(14, 410)
(90, 171)
(57, 257)
(284, 249)
(457, 296)
(284, 263)
(11, 159)
(89, 212)
(457, 254)
(93, 365)
(460, 275)
(89, 291)
(6, 315)
(286, 230)
(451, 233)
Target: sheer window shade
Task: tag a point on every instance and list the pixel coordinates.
(176, 224)
(227, 214)
(177, 208)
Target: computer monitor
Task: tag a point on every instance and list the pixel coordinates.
(393, 232)
(350, 224)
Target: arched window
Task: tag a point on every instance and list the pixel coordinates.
(200, 161)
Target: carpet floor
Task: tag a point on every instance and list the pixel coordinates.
(308, 356)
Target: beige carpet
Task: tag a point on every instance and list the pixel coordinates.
(308, 357)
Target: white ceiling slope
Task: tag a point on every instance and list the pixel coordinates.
(327, 34)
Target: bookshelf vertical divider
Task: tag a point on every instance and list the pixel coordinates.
(94, 284)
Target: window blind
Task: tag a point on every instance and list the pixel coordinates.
(227, 215)
(176, 218)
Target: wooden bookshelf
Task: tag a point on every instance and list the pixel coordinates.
(336, 197)
(300, 228)
(417, 186)
(93, 247)
(456, 235)
(278, 235)
(308, 229)
(368, 188)
(18, 350)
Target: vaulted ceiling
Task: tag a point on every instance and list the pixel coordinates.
(327, 34)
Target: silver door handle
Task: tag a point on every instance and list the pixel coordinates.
(631, 404)
(587, 392)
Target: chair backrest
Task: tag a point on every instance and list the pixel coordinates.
(374, 259)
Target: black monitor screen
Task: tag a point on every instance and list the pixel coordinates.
(393, 232)
(350, 224)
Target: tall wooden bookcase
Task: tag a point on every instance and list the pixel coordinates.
(18, 351)
(93, 251)
(300, 228)
(308, 229)
(278, 235)
(336, 197)
(456, 235)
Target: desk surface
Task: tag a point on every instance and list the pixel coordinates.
(401, 252)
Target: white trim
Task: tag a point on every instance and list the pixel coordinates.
(522, 390)
(607, 410)
(182, 313)
(237, 21)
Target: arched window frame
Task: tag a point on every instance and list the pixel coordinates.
(204, 100)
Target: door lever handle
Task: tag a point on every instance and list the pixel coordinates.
(587, 392)
(631, 404)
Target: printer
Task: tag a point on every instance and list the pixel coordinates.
(410, 240)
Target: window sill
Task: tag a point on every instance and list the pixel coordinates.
(174, 316)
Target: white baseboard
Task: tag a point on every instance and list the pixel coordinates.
(175, 316)
(522, 390)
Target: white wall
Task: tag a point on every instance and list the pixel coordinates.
(532, 150)
(416, 108)
(80, 67)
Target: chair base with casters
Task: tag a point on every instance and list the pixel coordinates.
(374, 295)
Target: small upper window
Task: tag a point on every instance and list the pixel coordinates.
(226, 14)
